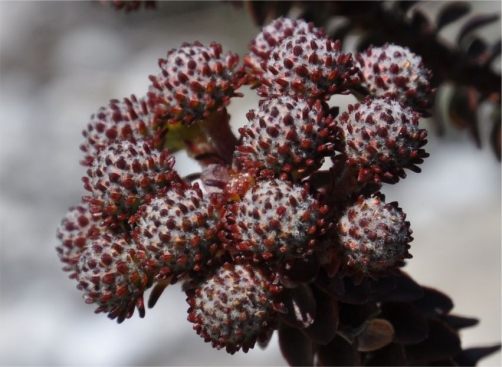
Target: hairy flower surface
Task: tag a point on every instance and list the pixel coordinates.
(382, 138)
(232, 308)
(395, 71)
(117, 121)
(109, 273)
(307, 64)
(287, 134)
(123, 173)
(374, 237)
(178, 230)
(275, 219)
(272, 35)
(193, 81)
(76, 229)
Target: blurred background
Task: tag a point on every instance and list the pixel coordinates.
(61, 61)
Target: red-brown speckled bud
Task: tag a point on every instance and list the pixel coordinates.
(232, 307)
(178, 230)
(287, 135)
(108, 272)
(373, 237)
(309, 65)
(382, 138)
(395, 71)
(193, 81)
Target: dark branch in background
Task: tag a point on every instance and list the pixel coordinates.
(467, 64)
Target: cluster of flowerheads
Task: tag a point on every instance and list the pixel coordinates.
(266, 238)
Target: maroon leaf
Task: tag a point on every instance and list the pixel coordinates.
(471, 356)
(299, 270)
(325, 325)
(451, 12)
(407, 290)
(474, 23)
(352, 318)
(333, 286)
(434, 302)
(296, 348)
(442, 343)
(458, 322)
(390, 355)
(383, 285)
(410, 325)
(355, 294)
(301, 306)
(377, 335)
(338, 353)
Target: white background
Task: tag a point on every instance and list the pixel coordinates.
(61, 61)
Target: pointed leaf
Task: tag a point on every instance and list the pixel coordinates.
(434, 302)
(462, 111)
(377, 335)
(383, 285)
(338, 353)
(442, 343)
(410, 325)
(459, 322)
(296, 348)
(451, 12)
(474, 23)
(325, 325)
(333, 286)
(471, 356)
(478, 51)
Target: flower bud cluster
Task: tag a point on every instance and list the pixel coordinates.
(267, 223)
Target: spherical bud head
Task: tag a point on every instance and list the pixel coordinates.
(373, 237)
(110, 275)
(178, 230)
(193, 81)
(382, 138)
(117, 121)
(77, 228)
(121, 175)
(395, 71)
(272, 35)
(309, 65)
(274, 220)
(287, 134)
(232, 308)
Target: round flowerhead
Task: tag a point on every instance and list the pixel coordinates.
(109, 273)
(122, 174)
(271, 36)
(117, 121)
(287, 135)
(273, 220)
(178, 230)
(373, 237)
(77, 228)
(395, 71)
(382, 138)
(232, 307)
(193, 81)
(307, 64)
